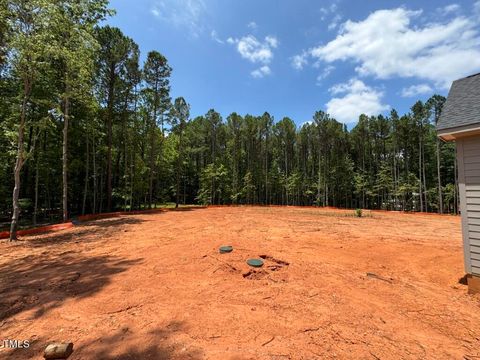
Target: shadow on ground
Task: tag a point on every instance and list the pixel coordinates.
(42, 282)
(157, 344)
(102, 229)
(188, 208)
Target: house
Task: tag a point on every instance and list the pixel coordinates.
(460, 122)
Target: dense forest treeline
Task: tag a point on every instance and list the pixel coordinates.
(85, 127)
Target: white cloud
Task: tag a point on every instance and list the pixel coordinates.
(328, 10)
(306, 123)
(214, 36)
(252, 25)
(357, 99)
(386, 45)
(452, 8)
(261, 72)
(299, 61)
(324, 11)
(181, 13)
(415, 90)
(335, 22)
(272, 41)
(325, 73)
(476, 7)
(255, 51)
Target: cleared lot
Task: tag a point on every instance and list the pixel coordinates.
(155, 287)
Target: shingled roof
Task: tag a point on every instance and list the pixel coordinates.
(462, 107)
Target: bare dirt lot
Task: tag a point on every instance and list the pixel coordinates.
(154, 286)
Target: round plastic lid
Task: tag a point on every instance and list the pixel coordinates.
(226, 249)
(255, 262)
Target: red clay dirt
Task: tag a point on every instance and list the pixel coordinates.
(38, 230)
(153, 286)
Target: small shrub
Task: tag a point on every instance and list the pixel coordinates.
(358, 213)
(26, 205)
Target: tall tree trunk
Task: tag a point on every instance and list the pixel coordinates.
(214, 159)
(440, 195)
(132, 164)
(126, 142)
(179, 167)
(319, 182)
(35, 207)
(87, 167)
(46, 203)
(184, 190)
(110, 102)
(236, 175)
(132, 151)
(109, 165)
(101, 195)
(65, 155)
(26, 178)
(152, 156)
(325, 180)
(395, 201)
(266, 166)
(152, 160)
(424, 177)
(19, 163)
(95, 188)
(420, 173)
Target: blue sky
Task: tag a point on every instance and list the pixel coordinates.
(291, 58)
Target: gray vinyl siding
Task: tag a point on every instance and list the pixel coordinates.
(469, 175)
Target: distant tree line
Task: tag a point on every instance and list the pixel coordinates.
(86, 128)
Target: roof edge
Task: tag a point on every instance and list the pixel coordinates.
(451, 134)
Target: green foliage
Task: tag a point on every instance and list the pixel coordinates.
(358, 213)
(26, 204)
(209, 193)
(248, 188)
(156, 73)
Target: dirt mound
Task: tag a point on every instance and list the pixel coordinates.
(255, 274)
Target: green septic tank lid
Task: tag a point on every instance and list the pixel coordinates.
(255, 262)
(226, 249)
